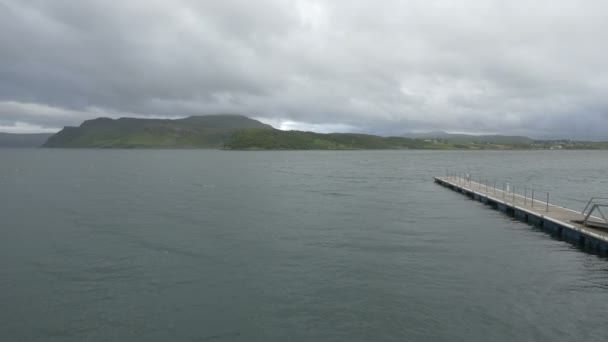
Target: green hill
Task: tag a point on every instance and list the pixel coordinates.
(193, 132)
(469, 138)
(236, 132)
(257, 139)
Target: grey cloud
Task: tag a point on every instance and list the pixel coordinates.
(517, 68)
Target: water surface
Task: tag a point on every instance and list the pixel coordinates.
(161, 245)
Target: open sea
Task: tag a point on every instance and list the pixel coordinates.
(201, 245)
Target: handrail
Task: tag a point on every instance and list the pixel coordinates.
(593, 207)
(592, 201)
(528, 194)
(507, 189)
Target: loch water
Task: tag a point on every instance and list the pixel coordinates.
(199, 245)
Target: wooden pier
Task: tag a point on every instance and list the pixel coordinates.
(564, 223)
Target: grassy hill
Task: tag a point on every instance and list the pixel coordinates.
(23, 140)
(235, 132)
(193, 132)
(257, 139)
(469, 138)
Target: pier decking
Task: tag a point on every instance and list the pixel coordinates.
(562, 222)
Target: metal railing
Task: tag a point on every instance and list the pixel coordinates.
(594, 204)
(530, 196)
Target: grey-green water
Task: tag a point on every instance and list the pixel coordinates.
(100, 245)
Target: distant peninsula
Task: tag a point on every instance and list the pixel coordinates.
(23, 140)
(237, 132)
(211, 131)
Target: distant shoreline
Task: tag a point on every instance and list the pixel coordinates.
(240, 133)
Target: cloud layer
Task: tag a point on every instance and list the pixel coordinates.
(386, 67)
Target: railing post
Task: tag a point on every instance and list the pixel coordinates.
(547, 208)
(513, 200)
(525, 195)
(532, 198)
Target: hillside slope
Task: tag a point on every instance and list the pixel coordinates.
(469, 138)
(193, 132)
(256, 139)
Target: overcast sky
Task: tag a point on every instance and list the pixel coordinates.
(538, 68)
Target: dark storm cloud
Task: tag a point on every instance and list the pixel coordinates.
(384, 67)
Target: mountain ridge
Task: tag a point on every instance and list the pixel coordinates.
(209, 131)
(238, 132)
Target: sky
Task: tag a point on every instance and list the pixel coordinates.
(536, 68)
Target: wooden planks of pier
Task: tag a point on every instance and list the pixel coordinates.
(562, 221)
